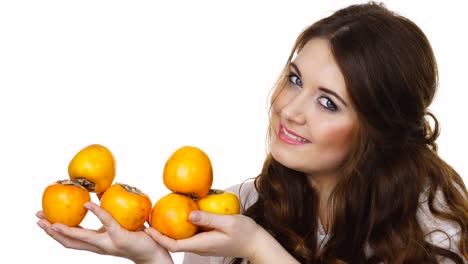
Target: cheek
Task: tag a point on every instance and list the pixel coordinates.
(336, 138)
(276, 106)
(281, 99)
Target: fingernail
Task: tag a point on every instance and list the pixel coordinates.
(88, 205)
(195, 216)
(41, 225)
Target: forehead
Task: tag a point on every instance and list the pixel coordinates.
(319, 68)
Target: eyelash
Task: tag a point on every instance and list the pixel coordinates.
(333, 106)
(326, 105)
(291, 75)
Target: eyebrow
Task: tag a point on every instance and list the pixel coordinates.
(296, 69)
(323, 89)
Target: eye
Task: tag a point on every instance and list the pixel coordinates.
(294, 79)
(327, 103)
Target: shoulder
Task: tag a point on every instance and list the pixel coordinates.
(246, 192)
(439, 232)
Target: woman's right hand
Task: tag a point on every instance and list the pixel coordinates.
(111, 239)
(232, 236)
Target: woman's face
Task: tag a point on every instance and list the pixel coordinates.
(312, 119)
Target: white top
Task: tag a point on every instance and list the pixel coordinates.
(248, 195)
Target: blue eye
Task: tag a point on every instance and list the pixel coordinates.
(327, 103)
(294, 79)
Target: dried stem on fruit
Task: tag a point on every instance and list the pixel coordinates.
(131, 189)
(70, 182)
(215, 191)
(189, 195)
(89, 185)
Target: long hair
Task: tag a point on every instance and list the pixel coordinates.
(391, 76)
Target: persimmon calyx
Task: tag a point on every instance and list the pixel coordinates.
(70, 182)
(215, 191)
(89, 185)
(131, 189)
(189, 195)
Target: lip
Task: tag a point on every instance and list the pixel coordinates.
(288, 140)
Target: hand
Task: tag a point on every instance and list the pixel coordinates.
(111, 239)
(233, 236)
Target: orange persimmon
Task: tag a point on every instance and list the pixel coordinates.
(219, 202)
(170, 216)
(129, 206)
(63, 202)
(93, 167)
(188, 170)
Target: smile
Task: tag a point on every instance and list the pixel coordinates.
(290, 137)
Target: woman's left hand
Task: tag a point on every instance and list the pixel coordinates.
(233, 236)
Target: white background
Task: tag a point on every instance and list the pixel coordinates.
(146, 77)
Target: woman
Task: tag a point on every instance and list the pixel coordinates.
(353, 174)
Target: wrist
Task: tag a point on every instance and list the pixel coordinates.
(155, 261)
(260, 240)
(158, 258)
(266, 249)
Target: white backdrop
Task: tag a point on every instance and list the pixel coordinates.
(146, 77)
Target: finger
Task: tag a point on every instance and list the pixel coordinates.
(106, 219)
(43, 223)
(165, 241)
(76, 233)
(40, 215)
(216, 221)
(196, 244)
(66, 241)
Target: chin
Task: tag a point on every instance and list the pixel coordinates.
(285, 158)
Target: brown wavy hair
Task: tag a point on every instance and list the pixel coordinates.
(391, 76)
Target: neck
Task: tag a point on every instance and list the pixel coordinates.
(323, 184)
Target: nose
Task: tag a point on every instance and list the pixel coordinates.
(294, 109)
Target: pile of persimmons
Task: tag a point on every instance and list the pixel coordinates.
(187, 174)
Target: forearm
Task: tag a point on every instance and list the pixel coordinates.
(268, 250)
(156, 261)
(159, 258)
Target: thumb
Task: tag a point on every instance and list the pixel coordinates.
(207, 219)
(108, 222)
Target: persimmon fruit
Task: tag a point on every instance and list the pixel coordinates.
(93, 167)
(170, 216)
(129, 206)
(63, 202)
(188, 171)
(219, 202)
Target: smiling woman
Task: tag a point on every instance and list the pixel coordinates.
(312, 127)
(352, 173)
